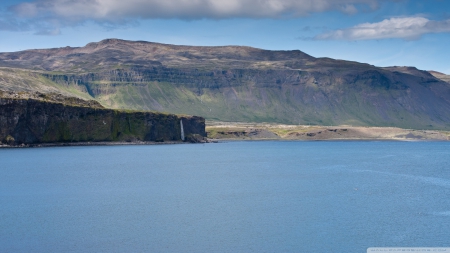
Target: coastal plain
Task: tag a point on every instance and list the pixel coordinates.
(268, 131)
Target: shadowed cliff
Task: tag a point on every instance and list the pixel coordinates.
(31, 121)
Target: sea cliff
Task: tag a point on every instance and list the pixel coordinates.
(31, 121)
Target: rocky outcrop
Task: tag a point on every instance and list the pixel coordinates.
(30, 121)
(190, 78)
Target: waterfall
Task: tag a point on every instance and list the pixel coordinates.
(182, 130)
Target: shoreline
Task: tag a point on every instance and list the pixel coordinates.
(218, 132)
(331, 140)
(92, 143)
(224, 140)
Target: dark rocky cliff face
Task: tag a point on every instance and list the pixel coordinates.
(32, 121)
(103, 83)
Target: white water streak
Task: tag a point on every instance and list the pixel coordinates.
(182, 130)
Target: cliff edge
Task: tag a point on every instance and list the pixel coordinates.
(32, 121)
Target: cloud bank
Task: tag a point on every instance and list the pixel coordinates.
(114, 10)
(408, 28)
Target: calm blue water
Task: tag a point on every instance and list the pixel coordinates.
(226, 197)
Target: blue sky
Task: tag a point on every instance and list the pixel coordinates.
(379, 32)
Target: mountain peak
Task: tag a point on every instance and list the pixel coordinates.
(112, 41)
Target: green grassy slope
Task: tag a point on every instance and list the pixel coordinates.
(21, 80)
(287, 104)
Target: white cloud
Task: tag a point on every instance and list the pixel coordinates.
(113, 10)
(408, 28)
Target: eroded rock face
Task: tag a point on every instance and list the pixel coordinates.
(32, 121)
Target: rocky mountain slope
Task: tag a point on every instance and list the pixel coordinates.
(233, 83)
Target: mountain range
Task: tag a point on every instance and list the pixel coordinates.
(234, 83)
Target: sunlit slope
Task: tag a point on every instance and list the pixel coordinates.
(441, 76)
(22, 80)
(289, 104)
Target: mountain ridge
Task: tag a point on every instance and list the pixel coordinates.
(238, 83)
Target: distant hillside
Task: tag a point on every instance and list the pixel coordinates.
(233, 83)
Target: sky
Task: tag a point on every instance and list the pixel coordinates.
(379, 32)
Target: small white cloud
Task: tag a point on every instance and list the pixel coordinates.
(408, 28)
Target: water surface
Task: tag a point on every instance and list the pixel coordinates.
(228, 197)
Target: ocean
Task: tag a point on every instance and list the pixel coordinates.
(252, 196)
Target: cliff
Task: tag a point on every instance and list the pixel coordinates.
(31, 121)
